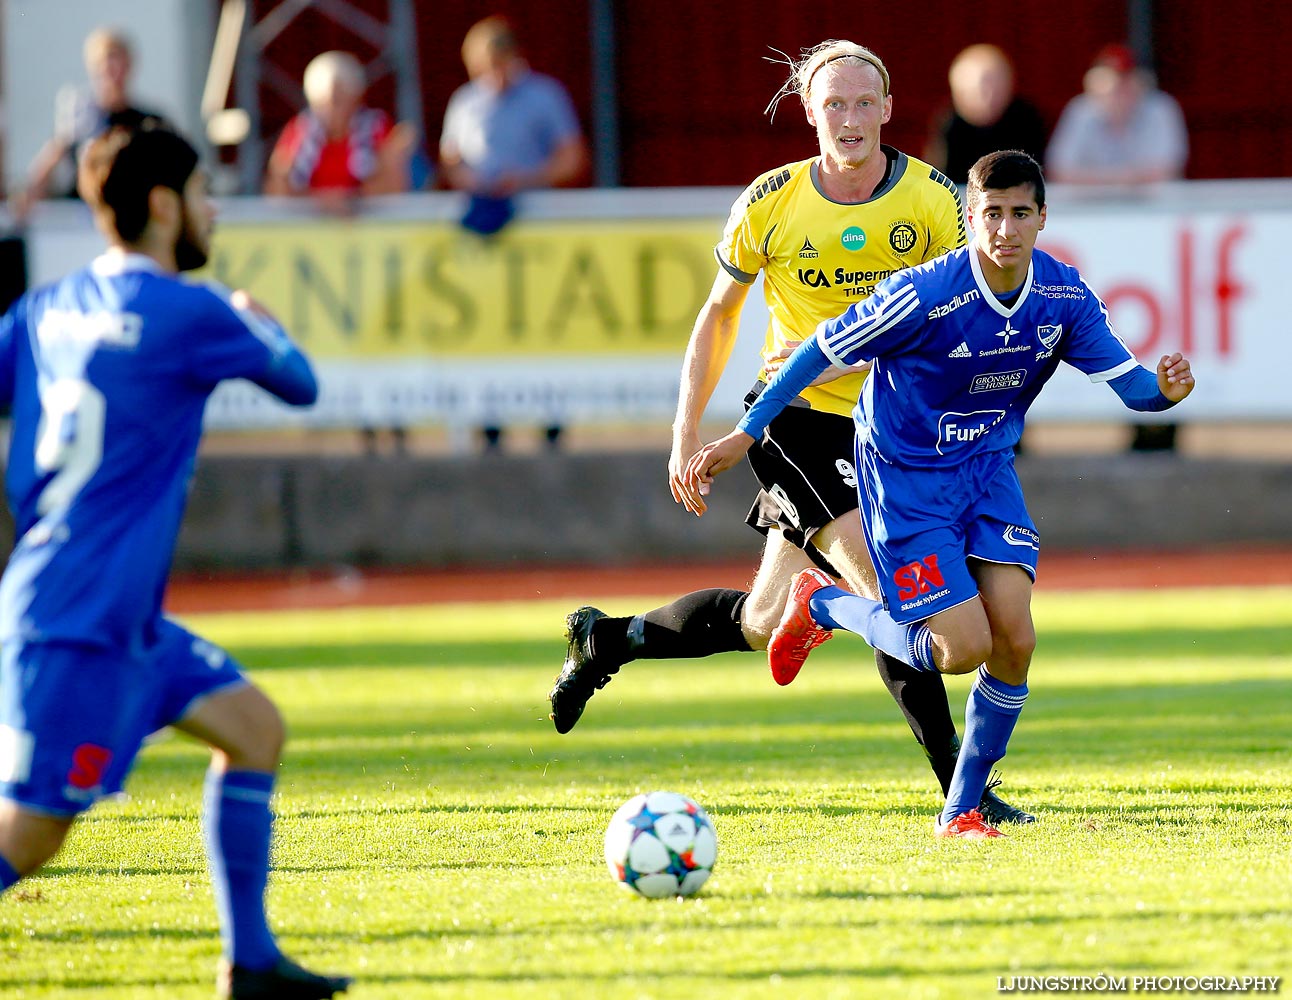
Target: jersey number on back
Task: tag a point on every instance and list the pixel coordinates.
(70, 439)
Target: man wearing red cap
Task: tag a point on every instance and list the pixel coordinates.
(1120, 130)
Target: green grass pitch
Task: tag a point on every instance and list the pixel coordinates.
(436, 837)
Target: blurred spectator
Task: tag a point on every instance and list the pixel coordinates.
(985, 114)
(338, 148)
(80, 114)
(509, 129)
(1120, 130)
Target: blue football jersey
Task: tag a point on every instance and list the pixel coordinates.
(955, 369)
(106, 374)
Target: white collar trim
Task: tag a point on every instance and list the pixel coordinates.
(988, 295)
(114, 261)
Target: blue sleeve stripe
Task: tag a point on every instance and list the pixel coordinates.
(852, 337)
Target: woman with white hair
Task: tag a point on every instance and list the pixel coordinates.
(337, 145)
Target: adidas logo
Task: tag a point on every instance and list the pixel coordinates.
(961, 352)
(807, 249)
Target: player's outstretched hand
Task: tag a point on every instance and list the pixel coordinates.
(1174, 377)
(719, 456)
(684, 446)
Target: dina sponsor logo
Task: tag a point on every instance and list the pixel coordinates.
(853, 238)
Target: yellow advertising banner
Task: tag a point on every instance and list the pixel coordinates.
(375, 288)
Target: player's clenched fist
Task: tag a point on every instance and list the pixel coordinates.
(1174, 376)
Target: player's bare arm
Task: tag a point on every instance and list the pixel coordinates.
(707, 353)
(1174, 377)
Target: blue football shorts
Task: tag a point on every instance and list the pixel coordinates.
(923, 525)
(73, 716)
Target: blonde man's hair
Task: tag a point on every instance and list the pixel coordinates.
(811, 61)
(328, 69)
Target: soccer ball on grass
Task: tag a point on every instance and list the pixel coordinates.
(661, 844)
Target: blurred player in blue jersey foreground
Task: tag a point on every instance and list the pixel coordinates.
(106, 375)
(960, 347)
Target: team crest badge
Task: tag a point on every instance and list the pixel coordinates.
(1049, 335)
(902, 237)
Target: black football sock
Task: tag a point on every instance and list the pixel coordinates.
(922, 697)
(698, 624)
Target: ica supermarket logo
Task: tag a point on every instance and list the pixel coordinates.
(853, 238)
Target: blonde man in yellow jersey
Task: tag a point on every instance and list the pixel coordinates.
(823, 232)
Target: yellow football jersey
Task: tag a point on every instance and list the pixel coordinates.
(819, 256)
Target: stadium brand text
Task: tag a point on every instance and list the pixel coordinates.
(947, 308)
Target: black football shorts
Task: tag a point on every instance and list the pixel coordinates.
(804, 463)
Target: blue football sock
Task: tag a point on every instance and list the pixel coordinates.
(7, 875)
(238, 824)
(834, 607)
(990, 714)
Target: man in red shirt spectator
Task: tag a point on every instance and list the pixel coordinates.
(337, 147)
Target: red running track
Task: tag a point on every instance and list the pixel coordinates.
(1239, 566)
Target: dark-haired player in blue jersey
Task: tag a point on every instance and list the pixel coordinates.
(105, 375)
(960, 348)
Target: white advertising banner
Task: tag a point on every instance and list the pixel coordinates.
(1214, 285)
(580, 311)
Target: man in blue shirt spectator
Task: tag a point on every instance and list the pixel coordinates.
(509, 129)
